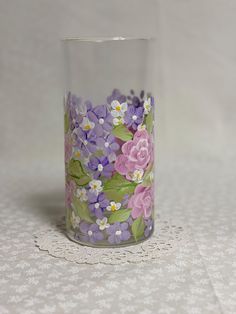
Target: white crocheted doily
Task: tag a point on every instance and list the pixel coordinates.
(166, 238)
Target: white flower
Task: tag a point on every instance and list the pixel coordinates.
(95, 186)
(113, 206)
(118, 121)
(118, 108)
(103, 224)
(137, 176)
(147, 105)
(75, 220)
(77, 153)
(87, 125)
(81, 194)
(141, 127)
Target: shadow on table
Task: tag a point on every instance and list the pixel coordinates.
(48, 206)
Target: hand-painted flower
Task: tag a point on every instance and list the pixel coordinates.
(87, 125)
(102, 223)
(137, 154)
(102, 119)
(82, 194)
(118, 232)
(118, 121)
(137, 176)
(90, 233)
(95, 186)
(72, 106)
(116, 95)
(113, 207)
(85, 142)
(142, 127)
(141, 202)
(108, 144)
(118, 108)
(97, 203)
(147, 105)
(74, 220)
(100, 167)
(133, 117)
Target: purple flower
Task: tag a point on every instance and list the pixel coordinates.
(118, 232)
(90, 233)
(108, 144)
(100, 167)
(134, 116)
(149, 227)
(88, 105)
(116, 95)
(97, 203)
(102, 119)
(136, 102)
(85, 141)
(73, 104)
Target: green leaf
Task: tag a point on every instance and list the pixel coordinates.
(81, 181)
(66, 122)
(148, 176)
(82, 210)
(137, 228)
(122, 133)
(68, 220)
(77, 172)
(119, 215)
(117, 187)
(149, 122)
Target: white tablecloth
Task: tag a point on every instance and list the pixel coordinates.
(198, 278)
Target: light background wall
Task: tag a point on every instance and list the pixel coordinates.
(196, 70)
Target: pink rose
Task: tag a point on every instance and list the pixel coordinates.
(141, 201)
(137, 154)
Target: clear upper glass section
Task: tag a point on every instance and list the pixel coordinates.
(96, 66)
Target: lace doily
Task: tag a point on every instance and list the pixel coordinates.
(166, 238)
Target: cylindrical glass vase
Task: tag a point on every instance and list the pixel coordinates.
(109, 140)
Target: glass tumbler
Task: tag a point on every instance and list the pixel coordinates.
(109, 140)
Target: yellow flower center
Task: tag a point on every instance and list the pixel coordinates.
(118, 108)
(113, 207)
(139, 176)
(77, 154)
(95, 186)
(87, 127)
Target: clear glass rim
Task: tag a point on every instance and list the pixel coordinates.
(104, 39)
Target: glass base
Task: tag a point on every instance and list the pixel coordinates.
(105, 244)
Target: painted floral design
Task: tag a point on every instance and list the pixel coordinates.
(109, 168)
(118, 232)
(137, 154)
(141, 201)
